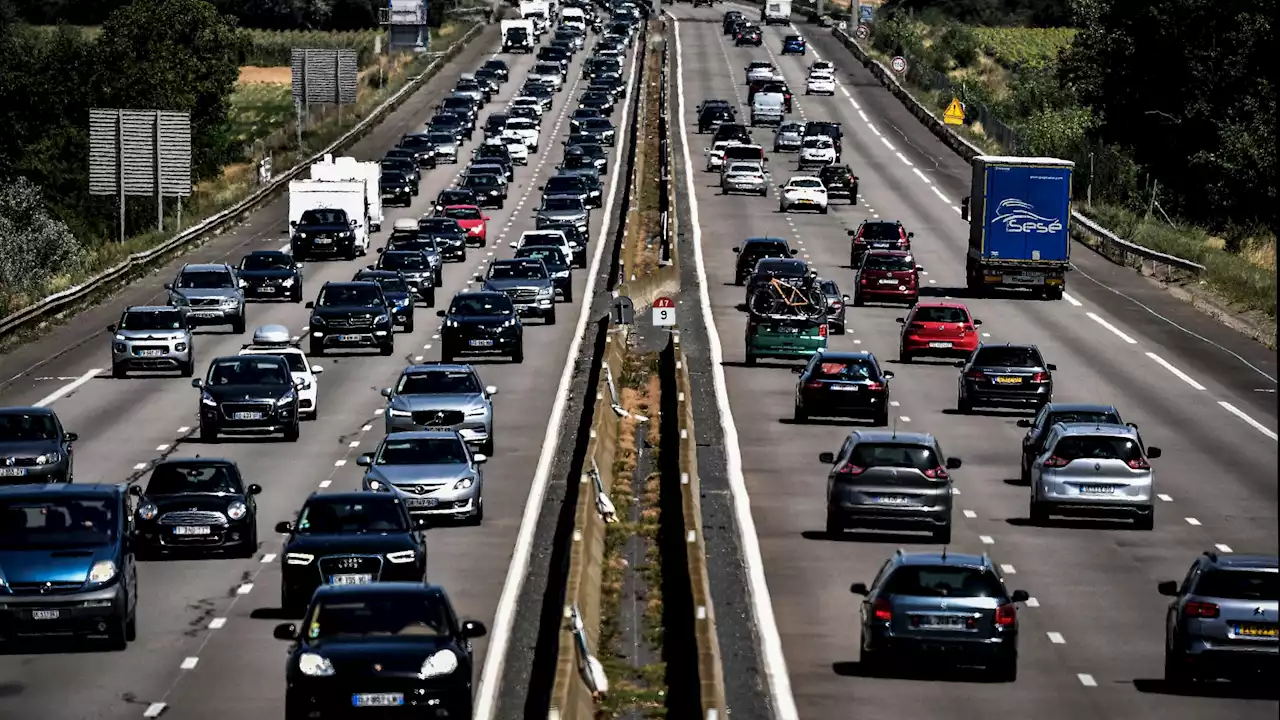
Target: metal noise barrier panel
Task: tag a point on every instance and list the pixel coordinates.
(324, 76)
(131, 152)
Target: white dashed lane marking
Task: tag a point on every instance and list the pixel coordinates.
(1176, 372)
(987, 539)
(1087, 680)
(217, 623)
(189, 663)
(1056, 638)
(1192, 521)
(1165, 498)
(1008, 570)
(269, 557)
(1115, 330)
(970, 514)
(1223, 548)
(154, 710)
(245, 589)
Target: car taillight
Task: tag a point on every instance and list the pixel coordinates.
(851, 469)
(916, 326)
(836, 304)
(1140, 464)
(1195, 608)
(974, 375)
(1040, 377)
(882, 610)
(873, 385)
(938, 473)
(965, 330)
(814, 385)
(859, 241)
(1006, 615)
(1056, 462)
(822, 330)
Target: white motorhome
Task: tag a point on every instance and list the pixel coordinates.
(537, 10)
(314, 232)
(574, 17)
(348, 168)
(776, 12)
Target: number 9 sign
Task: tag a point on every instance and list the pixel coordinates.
(664, 312)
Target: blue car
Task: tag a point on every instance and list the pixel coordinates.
(66, 562)
(793, 45)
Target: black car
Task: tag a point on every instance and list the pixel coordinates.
(395, 288)
(394, 161)
(1054, 413)
(752, 250)
(38, 448)
(836, 303)
(711, 118)
(596, 100)
(749, 35)
(490, 76)
(424, 151)
(196, 504)
(499, 68)
(349, 538)
(578, 137)
(843, 384)
(1003, 376)
(390, 645)
(490, 189)
(608, 88)
(495, 124)
(591, 178)
(574, 161)
(455, 126)
(577, 241)
(497, 154)
(455, 196)
(248, 394)
(572, 186)
(351, 315)
(582, 113)
(481, 323)
(592, 150)
(451, 239)
(492, 167)
(396, 188)
(323, 231)
(557, 267)
(732, 131)
(462, 106)
(840, 183)
(422, 276)
(599, 129)
(271, 275)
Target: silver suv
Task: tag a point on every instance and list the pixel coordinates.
(212, 293)
(1094, 469)
(527, 282)
(1222, 621)
(889, 481)
(443, 396)
(151, 337)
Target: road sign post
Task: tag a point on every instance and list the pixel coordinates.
(899, 64)
(862, 32)
(664, 312)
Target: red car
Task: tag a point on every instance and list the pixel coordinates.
(938, 329)
(473, 220)
(887, 276)
(877, 235)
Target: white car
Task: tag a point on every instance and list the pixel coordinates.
(760, 70)
(549, 238)
(527, 101)
(817, 150)
(820, 85)
(715, 154)
(275, 340)
(803, 192)
(524, 130)
(822, 67)
(548, 73)
(516, 148)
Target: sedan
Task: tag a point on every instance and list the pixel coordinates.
(1004, 375)
(843, 384)
(820, 85)
(434, 469)
(744, 178)
(804, 192)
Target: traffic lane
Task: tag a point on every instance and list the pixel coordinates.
(468, 561)
(820, 642)
(71, 349)
(1244, 369)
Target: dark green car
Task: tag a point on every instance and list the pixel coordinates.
(785, 338)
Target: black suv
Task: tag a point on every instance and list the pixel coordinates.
(396, 188)
(713, 117)
(271, 275)
(324, 232)
(351, 315)
(1004, 376)
(450, 238)
(451, 196)
(840, 182)
(752, 250)
(490, 189)
(495, 124)
(424, 151)
(38, 448)
(955, 605)
(483, 324)
(397, 291)
(251, 394)
(199, 504)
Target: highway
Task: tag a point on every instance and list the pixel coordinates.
(1091, 639)
(204, 647)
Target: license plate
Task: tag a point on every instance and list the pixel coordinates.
(45, 614)
(889, 282)
(1263, 631)
(361, 579)
(267, 288)
(348, 338)
(880, 246)
(1024, 279)
(942, 622)
(1005, 380)
(191, 530)
(421, 502)
(203, 313)
(324, 241)
(481, 343)
(1096, 490)
(150, 353)
(940, 345)
(845, 388)
(12, 472)
(891, 500)
(377, 700)
(247, 416)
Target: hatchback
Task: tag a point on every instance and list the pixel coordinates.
(888, 276)
(1054, 413)
(843, 384)
(1094, 470)
(877, 235)
(937, 329)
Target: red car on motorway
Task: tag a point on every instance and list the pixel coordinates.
(887, 276)
(877, 235)
(471, 219)
(938, 329)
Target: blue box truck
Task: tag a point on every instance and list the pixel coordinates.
(1019, 213)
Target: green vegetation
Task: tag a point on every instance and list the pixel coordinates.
(259, 109)
(1015, 46)
(273, 48)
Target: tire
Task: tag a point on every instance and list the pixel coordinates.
(431, 302)
(837, 329)
(882, 418)
(237, 327)
(208, 434)
(1145, 522)
(291, 434)
(188, 368)
(905, 357)
(1024, 472)
(568, 296)
(943, 536)
(518, 355)
(1038, 513)
(408, 325)
(1176, 673)
(388, 349)
(964, 406)
(822, 210)
(751, 359)
(250, 548)
(550, 318)
(118, 635)
(131, 627)
(118, 372)
(800, 414)
(315, 349)
(834, 527)
(1005, 668)
(486, 447)
(289, 602)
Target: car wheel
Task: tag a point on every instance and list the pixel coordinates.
(751, 359)
(208, 434)
(568, 295)
(963, 405)
(249, 549)
(118, 372)
(1145, 521)
(905, 357)
(486, 447)
(550, 318)
(942, 536)
(188, 368)
(315, 349)
(1005, 668)
(517, 356)
(837, 329)
(834, 525)
(387, 349)
(1024, 472)
(476, 519)
(1176, 671)
(1038, 513)
(408, 324)
(131, 627)
(882, 417)
(822, 210)
(801, 415)
(857, 299)
(238, 326)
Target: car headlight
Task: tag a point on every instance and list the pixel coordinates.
(287, 399)
(451, 323)
(317, 321)
(401, 557)
(49, 458)
(120, 338)
(441, 663)
(237, 510)
(491, 192)
(302, 236)
(544, 292)
(464, 483)
(508, 323)
(148, 511)
(102, 571)
(230, 302)
(382, 319)
(298, 559)
(180, 347)
(314, 665)
(288, 282)
(397, 412)
(562, 274)
(207, 399)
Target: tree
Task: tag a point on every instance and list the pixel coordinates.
(34, 247)
(1036, 13)
(174, 55)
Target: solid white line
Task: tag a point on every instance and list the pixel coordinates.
(1223, 548)
(1087, 680)
(1098, 319)
(775, 664)
(189, 663)
(505, 615)
(1056, 638)
(153, 710)
(67, 389)
(1177, 373)
(1243, 416)
(1071, 299)
(938, 192)
(1192, 521)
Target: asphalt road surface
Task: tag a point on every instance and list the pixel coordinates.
(204, 647)
(1091, 643)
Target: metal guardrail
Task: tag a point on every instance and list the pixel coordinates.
(55, 303)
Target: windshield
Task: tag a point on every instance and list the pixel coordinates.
(204, 280)
(443, 382)
(23, 427)
(781, 267)
(67, 522)
(546, 69)
(152, 320)
(881, 231)
(940, 315)
(1240, 585)
(560, 184)
(392, 285)
(410, 142)
(176, 479)
(388, 178)
(561, 203)
(1015, 357)
(845, 370)
(479, 181)
(439, 138)
(323, 217)
(870, 455)
(403, 261)
(890, 263)
(805, 184)
(490, 306)
(249, 370)
(422, 451)
(356, 295)
(464, 213)
(375, 513)
(577, 162)
(944, 582)
(496, 120)
(1097, 447)
(453, 197)
(1108, 418)
(412, 615)
(597, 124)
(818, 142)
(266, 261)
(520, 124)
(555, 239)
(594, 97)
(528, 270)
(458, 103)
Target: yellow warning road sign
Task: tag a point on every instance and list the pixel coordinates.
(954, 114)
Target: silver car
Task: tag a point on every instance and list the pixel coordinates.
(151, 337)
(442, 396)
(561, 209)
(446, 145)
(744, 177)
(435, 471)
(1094, 469)
(789, 137)
(527, 282)
(212, 293)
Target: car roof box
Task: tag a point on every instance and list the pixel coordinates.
(272, 335)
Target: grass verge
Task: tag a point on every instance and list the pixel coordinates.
(643, 246)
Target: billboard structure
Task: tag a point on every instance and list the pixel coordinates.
(322, 76)
(141, 153)
(409, 24)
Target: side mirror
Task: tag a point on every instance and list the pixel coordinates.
(964, 208)
(135, 490)
(827, 458)
(953, 463)
(889, 374)
(473, 629)
(480, 458)
(197, 383)
(293, 223)
(254, 489)
(515, 246)
(379, 251)
(860, 589)
(284, 527)
(795, 251)
(487, 218)
(1020, 596)
(317, 369)
(355, 223)
(1051, 367)
(797, 370)
(1132, 425)
(387, 393)
(541, 188)
(285, 631)
(310, 305)
(737, 250)
(1168, 587)
(1024, 423)
(440, 313)
(844, 298)
(919, 268)
(365, 460)
(299, 383)
(1154, 452)
(977, 321)
(902, 321)
(910, 235)
(168, 286)
(490, 390)
(111, 328)
(71, 437)
(244, 284)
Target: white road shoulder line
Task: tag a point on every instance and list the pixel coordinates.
(1071, 299)
(67, 389)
